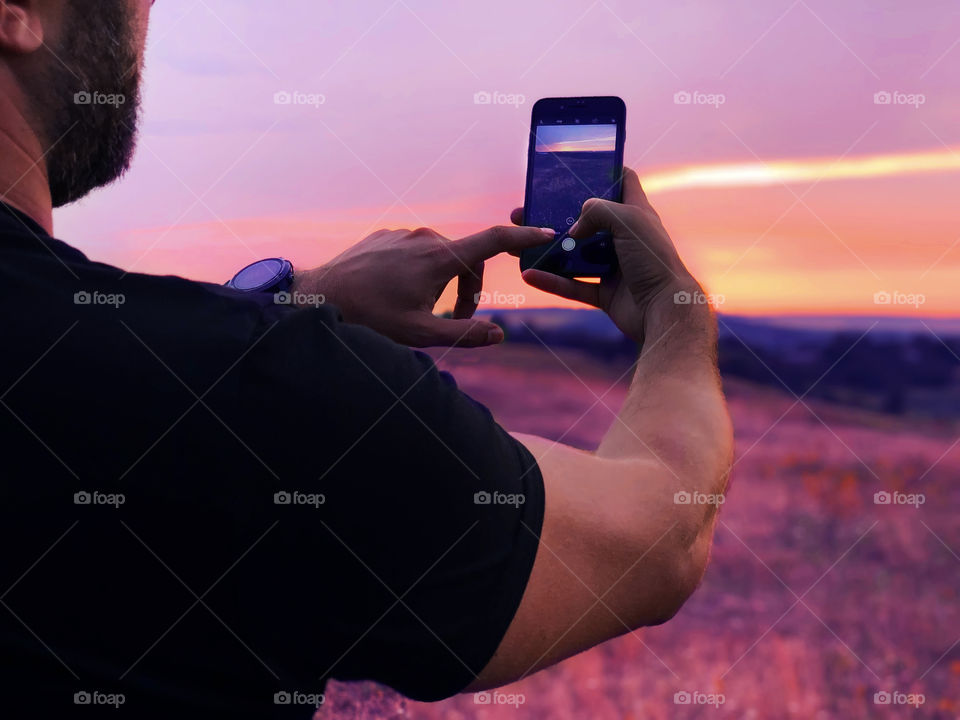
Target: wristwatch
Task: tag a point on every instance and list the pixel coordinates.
(272, 275)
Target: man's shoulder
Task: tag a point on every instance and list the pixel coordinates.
(46, 274)
(48, 289)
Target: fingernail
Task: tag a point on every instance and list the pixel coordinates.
(549, 232)
(494, 336)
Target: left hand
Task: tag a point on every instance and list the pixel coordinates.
(391, 281)
(649, 267)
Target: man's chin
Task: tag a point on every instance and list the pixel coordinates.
(61, 196)
(75, 174)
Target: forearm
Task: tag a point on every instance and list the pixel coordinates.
(675, 410)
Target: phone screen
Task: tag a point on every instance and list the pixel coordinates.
(571, 163)
(576, 153)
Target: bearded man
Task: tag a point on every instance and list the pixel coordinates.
(211, 501)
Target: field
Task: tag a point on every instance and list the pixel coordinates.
(816, 598)
(562, 181)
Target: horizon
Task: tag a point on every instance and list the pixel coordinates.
(804, 156)
(940, 325)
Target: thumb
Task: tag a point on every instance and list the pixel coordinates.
(459, 333)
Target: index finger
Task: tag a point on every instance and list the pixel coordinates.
(493, 241)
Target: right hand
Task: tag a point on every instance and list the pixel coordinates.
(650, 268)
(391, 281)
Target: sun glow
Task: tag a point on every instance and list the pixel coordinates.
(782, 172)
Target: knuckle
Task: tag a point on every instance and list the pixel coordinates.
(381, 234)
(635, 215)
(593, 205)
(499, 234)
(471, 275)
(425, 232)
(470, 336)
(649, 216)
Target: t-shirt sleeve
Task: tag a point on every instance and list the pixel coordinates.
(408, 519)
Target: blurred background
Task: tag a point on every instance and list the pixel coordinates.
(805, 156)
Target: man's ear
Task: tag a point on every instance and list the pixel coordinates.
(21, 27)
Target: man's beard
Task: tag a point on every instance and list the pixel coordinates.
(87, 99)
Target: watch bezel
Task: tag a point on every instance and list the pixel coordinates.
(280, 281)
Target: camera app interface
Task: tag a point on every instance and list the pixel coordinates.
(571, 163)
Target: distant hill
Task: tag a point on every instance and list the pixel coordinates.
(892, 364)
(949, 327)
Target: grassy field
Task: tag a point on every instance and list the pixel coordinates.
(816, 598)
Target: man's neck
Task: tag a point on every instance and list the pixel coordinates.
(23, 172)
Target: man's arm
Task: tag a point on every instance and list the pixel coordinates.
(617, 552)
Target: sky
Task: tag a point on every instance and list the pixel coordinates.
(804, 154)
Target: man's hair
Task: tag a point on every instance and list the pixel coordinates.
(86, 99)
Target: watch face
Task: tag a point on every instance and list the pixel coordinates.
(261, 274)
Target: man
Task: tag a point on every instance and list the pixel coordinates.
(210, 503)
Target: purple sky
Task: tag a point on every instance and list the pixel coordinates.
(398, 139)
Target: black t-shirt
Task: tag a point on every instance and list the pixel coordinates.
(211, 502)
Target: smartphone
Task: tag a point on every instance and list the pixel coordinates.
(576, 153)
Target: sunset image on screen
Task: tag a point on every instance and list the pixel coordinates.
(576, 138)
